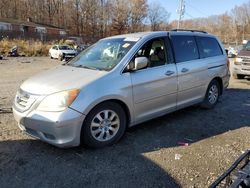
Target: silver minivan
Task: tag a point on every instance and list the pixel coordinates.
(119, 82)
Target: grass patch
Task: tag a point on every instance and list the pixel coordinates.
(27, 47)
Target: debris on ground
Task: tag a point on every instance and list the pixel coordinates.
(5, 110)
(25, 62)
(177, 156)
(183, 143)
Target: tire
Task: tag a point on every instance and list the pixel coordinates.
(61, 57)
(98, 131)
(212, 95)
(239, 76)
(50, 56)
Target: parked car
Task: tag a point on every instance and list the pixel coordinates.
(62, 52)
(74, 40)
(241, 66)
(231, 52)
(119, 82)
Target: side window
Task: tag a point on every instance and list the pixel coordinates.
(155, 51)
(185, 48)
(209, 47)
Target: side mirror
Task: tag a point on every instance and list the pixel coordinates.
(140, 63)
(226, 51)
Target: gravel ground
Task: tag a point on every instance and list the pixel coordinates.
(148, 155)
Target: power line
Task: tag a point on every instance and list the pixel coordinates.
(197, 9)
(189, 15)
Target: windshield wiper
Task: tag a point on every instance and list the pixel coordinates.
(86, 67)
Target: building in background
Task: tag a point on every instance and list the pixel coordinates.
(11, 28)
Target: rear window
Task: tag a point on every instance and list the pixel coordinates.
(209, 47)
(185, 48)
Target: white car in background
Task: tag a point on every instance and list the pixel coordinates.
(62, 52)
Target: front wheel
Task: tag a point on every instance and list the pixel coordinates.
(104, 125)
(212, 95)
(61, 57)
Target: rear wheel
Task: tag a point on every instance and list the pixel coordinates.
(104, 125)
(212, 95)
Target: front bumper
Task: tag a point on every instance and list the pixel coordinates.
(237, 69)
(61, 129)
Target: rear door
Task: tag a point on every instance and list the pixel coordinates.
(192, 71)
(155, 87)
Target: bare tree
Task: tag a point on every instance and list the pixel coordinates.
(157, 15)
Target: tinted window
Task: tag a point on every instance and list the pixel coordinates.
(155, 51)
(185, 48)
(209, 47)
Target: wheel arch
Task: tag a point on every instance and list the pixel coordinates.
(119, 102)
(219, 80)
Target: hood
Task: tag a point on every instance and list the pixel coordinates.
(59, 79)
(244, 53)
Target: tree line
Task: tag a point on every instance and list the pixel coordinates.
(231, 27)
(100, 18)
(92, 18)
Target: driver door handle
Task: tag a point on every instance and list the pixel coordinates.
(184, 70)
(169, 73)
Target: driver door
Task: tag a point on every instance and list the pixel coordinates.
(154, 87)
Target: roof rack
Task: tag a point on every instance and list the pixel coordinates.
(190, 30)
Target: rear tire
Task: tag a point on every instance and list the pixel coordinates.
(212, 95)
(104, 125)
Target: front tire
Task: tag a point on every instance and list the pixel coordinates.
(61, 57)
(104, 125)
(212, 95)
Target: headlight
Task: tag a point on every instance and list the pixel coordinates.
(238, 61)
(58, 101)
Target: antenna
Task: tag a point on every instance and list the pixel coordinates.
(181, 12)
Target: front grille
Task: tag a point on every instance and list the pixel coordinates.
(245, 65)
(24, 100)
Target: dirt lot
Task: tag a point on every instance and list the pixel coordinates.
(145, 157)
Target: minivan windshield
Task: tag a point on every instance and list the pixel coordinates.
(103, 55)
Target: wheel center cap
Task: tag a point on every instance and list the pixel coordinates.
(105, 123)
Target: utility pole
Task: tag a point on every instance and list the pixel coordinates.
(181, 12)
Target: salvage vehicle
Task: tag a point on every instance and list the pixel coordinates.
(119, 82)
(62, 52)
(241, 66)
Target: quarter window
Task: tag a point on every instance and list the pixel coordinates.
(185, 48)
(209, 47)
